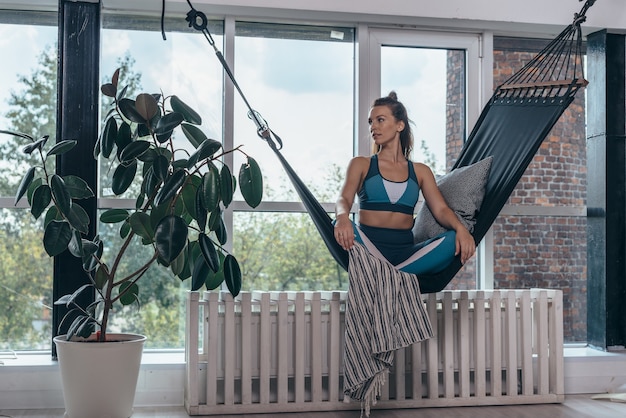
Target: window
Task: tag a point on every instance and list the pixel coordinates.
(27, 105)
(300, 78)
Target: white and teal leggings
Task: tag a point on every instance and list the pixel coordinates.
(396, 246)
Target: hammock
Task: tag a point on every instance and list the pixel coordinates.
(511, 128)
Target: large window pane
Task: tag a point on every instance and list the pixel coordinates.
(25, 283)
(301, 80)
(284, 251)
(27, 104)
(431, 84)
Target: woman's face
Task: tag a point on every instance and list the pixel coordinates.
(384, 127)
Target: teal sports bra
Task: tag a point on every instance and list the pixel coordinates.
(376, 190)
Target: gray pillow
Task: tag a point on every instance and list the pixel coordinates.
(463, 189)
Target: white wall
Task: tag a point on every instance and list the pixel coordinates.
(540, 16)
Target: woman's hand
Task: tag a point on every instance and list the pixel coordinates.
(465, 245)
(344, 232)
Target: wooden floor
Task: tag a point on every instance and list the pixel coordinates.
(575, 406)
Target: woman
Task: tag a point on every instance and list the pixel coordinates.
(388, 185)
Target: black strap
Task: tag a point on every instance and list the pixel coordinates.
(199, 22)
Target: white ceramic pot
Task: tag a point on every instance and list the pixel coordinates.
(100, 379)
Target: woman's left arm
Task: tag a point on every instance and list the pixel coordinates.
(465, 244)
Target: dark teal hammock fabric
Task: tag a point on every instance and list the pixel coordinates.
(511, 128)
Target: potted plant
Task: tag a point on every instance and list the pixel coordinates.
(180, 194)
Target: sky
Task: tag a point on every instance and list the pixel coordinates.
(304, 89)
(23, 44)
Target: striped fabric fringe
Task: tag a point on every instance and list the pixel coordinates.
(384, 312)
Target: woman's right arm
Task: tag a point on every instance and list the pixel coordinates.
(344, 233)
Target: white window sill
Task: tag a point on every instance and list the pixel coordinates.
(31, 379)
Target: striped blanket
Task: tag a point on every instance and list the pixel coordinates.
(384, 312)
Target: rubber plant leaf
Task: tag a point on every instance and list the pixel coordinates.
(188, 113)
(77, 187)
(78, 218)
(113, 216)
(160, 167)
(227, 186)
(75, 246)
(108, 138)
(168, 123)
(56, 237)
(133, 150)
(140, 224)
(123, 177)
(216, 224)
(159, 212)
(108, 90)
(212, 280)
(91, 249)
(122, 93)
(76, 294)
(192, 253)
(178, 265)
(208, 148)
(220, 230)
(149, 185)
(102, 276)
(251, 182)
(82, 327)
(68, 300)
(24, 184)
(205, 150)
(124, 137)
(201, 213)
(211, 188)
(52, 215)
(37, 145)
(209, 252)
(151, 154)
(164, 137)
(42, 196)
(215, 280)
(170, 237)
(232, 275)
(146, 106)
(62, 147)
(31, 189)
(193, 134)
(129, 293)
(128, 109)
(143, 132)
(61, 195)
(18, 134)
(125, 229)
(188, 195)
(171, 186)
(200, 273)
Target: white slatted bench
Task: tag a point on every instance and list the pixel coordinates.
(282, 352)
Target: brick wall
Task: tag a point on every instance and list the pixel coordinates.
(538, 250)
